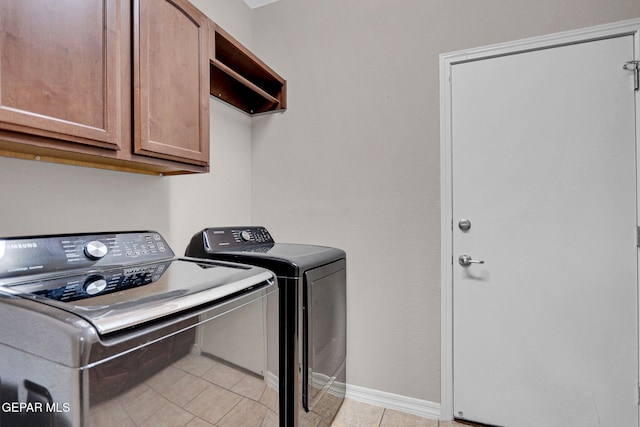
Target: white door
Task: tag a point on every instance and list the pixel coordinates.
(544, 168)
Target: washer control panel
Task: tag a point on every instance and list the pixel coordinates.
(23, 256)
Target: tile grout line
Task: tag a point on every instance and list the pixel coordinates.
(384, 411)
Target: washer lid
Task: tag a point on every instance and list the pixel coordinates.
(125, 297)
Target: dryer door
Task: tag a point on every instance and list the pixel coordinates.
(324, 320)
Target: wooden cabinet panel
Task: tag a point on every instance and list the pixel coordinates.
(171, 81)
(62, 70)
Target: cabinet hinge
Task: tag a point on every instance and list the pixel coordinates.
(635, 67)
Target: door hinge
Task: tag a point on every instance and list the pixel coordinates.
(635, 67)
(638, 240)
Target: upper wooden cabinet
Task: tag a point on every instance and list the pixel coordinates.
(61, 71)
(121, 84)
(66, 76)
(171, 81)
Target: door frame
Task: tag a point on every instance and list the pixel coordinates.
(447, 60)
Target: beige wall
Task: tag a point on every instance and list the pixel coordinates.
(354, 162)
(43, 198)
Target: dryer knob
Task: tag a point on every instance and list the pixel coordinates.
(95, 249)
(246, 236)
(95, 284)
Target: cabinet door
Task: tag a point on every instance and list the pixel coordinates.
(61, 69)
(171, 81)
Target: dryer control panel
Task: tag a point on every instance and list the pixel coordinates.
(230, 238)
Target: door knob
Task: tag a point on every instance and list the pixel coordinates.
(466, 261)
(464, 224)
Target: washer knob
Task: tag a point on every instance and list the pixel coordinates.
(95, 249)
(95, 284)
(245, 235)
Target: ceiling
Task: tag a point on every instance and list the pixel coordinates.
(257, 3)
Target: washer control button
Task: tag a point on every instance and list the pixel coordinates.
(95, 284)
(246, 236)
(95, 249)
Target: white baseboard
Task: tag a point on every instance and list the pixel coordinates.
(410, 405)
(272, 380)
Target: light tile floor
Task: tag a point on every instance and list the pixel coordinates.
(358, 414)
(181, 395)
